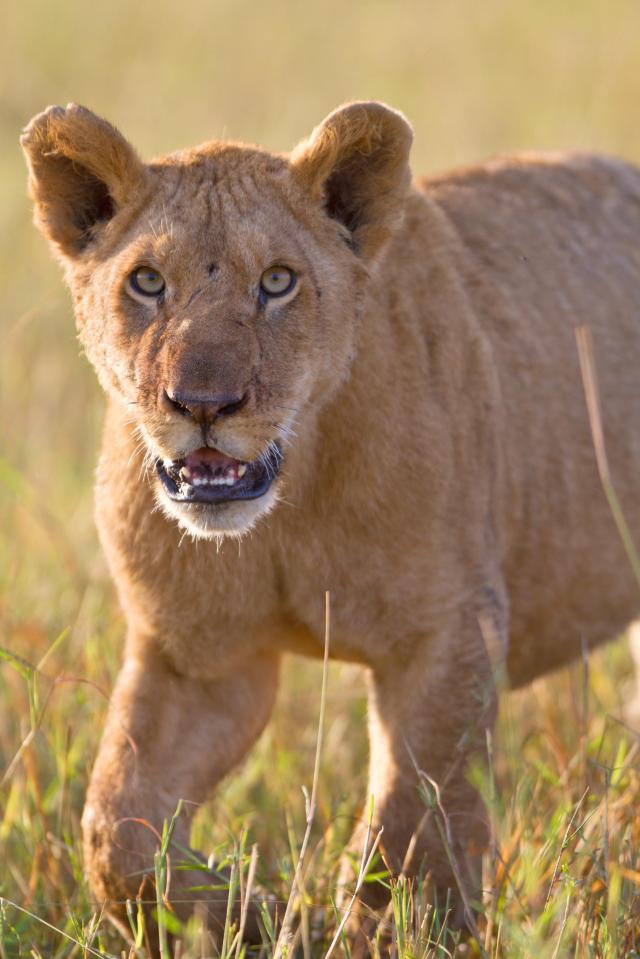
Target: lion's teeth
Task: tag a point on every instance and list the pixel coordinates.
(229, 478)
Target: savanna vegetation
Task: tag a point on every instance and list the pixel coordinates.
(562, 876)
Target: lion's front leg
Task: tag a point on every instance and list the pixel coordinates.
(430, 708)
(168, 737)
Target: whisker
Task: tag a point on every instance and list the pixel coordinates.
(271, 459)
(287, 432)
(147, 464)
(136, 450)
(287, 502)
(289, 409)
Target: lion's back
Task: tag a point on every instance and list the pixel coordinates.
(551, 244)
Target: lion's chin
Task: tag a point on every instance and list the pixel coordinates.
(213, 521)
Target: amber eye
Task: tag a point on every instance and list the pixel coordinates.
(146, 281)
(277, 280)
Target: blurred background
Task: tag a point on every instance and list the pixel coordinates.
(475, 79)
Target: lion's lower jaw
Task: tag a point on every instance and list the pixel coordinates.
(213, 521)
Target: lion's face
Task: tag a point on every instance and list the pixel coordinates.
(217, 294)
(225, 315)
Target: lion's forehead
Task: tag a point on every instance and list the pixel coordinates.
(243, 218)
(219, 194)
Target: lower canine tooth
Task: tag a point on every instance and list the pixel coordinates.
(242, 469)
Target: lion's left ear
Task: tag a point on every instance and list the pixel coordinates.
(357, 163)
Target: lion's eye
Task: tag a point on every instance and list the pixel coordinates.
(277, 280)
(146, 281)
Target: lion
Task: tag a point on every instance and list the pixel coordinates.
(378, 380)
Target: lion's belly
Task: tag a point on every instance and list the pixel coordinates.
(580, 607)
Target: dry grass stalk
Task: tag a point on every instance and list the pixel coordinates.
(298, 879)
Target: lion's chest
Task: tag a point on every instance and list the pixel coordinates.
(377, 587)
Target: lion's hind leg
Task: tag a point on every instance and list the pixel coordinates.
(429, 715)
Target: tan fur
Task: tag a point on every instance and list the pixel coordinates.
(439, 476)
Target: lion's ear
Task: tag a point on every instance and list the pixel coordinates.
(357, 163)
(81, 172)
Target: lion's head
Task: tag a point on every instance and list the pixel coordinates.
(217, 290)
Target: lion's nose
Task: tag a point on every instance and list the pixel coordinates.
(205, 409)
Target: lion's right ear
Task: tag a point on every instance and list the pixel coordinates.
(81, 172)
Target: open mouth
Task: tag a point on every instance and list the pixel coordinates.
(209, 476)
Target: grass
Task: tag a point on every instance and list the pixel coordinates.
(563, 875)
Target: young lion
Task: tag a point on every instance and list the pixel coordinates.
(401, 362)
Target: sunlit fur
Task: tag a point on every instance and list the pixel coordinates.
(439, 476)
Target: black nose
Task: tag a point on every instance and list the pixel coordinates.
(205, 409)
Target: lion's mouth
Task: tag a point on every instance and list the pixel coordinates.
(209, 476)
